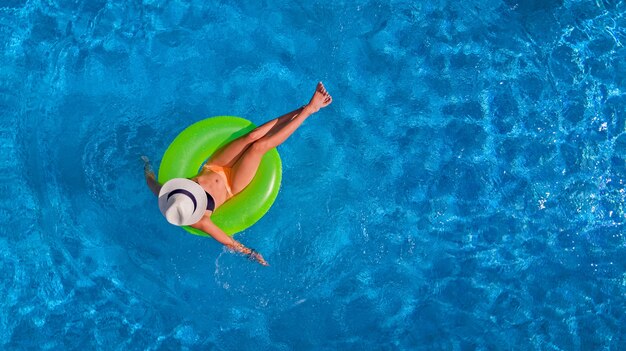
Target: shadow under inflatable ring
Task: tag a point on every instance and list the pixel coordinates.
(193, 146)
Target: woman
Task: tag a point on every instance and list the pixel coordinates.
(227, 172)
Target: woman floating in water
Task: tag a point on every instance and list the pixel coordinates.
(227, 172)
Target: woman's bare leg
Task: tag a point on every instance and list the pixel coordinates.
(246, 166)
(229, 154)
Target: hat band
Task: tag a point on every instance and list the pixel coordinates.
(184, 192)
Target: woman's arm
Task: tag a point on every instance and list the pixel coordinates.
(150, 177)
(207, 226)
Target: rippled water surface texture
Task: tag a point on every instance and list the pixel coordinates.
(465, 190)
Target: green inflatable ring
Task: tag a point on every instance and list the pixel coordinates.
(193, 146)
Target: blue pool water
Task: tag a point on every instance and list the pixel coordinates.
(465, 191)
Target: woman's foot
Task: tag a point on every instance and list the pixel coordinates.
(321, 98)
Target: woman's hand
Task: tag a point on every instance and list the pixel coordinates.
(207, 226)
(251, 253)
(154, 186)
(257, 256)
(147, 167)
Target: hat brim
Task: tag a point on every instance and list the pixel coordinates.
(194, 188)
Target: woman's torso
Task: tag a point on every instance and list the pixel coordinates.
(214, 185)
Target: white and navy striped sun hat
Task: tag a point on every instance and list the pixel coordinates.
(182, 201)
